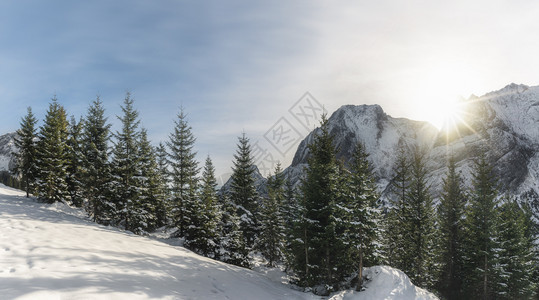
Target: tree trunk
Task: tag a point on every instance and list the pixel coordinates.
(485, 280)
(360, 271)
(27, 187)
(306, 253)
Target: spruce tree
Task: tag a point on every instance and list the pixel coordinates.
(74, 165)
(451, 235)
(394, 233)
(419, 225)
(162, 166)
(481, 247)
(125, 163)
(272, 233)
(204, 237)
(517, 257)
(320, 192)
(212, 210)
(52, 154)
(243, 193)
(290, 211)
(299, 246)
(364, 232)
(183, 172)
(25, 141)
(151, 189)
(233, 248)
(96, 176)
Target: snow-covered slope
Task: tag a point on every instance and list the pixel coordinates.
(53, 252)
(385, 283)
(48, 253)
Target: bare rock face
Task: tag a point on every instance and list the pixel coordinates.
(503, 124)
(7, 147)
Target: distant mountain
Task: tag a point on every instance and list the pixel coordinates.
(504, 124)
(7, 147)
(259, 180)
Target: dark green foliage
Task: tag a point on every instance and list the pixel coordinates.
(124, 166)
(243, 193)
(290, 211)
(74, 165)
(395, 234)
(298, 246)
(419, 225)
(319, 248)
(272, 234)
(151, 188)
(162, 212)
(204, 233)
(410, 231)
(52, 155)
(233, 248)
(96, 175)
(25, 141)
(8, 179)
(451, 234)
(517, 256)
(481, 243)
(363, 232)
(183, 173)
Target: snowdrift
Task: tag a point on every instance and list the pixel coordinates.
(53, 252)
(386, 283)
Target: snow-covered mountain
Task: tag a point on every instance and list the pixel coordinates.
(54, 252)
(504, 124)
(7, 147)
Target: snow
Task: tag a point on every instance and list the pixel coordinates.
(55, 252)
(385, 283)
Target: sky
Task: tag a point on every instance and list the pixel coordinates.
(257, 67)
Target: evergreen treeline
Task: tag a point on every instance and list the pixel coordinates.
(473, 244)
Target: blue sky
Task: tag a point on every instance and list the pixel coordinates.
(238, 66)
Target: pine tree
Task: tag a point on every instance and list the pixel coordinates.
(25, 141)
(151, 189)
(96, 175)
(344, 216)
(394, 235)
(74, 165)
(318, 252)
(243, 192)
(125, 163)
(290, 212)
(419, 225)
(233, 248)
(272, 233)
(52, 154)
(298, 258)
(481, 244)
(517, 256)
(365, 216)
(212, 209)
(451, 234)
(162, 165)
(183, 172)
(204, 238)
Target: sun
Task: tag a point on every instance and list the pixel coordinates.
(444, 112)
(451, 113)
(440, 95)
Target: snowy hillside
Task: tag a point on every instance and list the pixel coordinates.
(52, 251)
